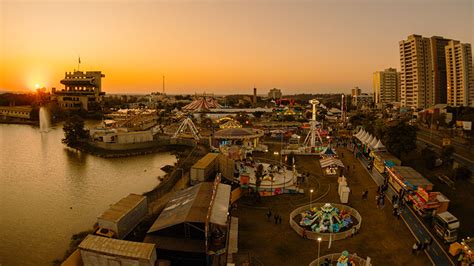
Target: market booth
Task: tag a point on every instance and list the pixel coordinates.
(384, 159)
(427, 203)
(331, 166)
(404, 178)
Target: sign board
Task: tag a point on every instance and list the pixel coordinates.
(446, 141)
(466, 125)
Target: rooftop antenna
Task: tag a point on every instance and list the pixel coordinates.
(78, 62)
(163, 84)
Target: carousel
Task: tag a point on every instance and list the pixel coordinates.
(270, 178)
(327, 219)
(235, 142)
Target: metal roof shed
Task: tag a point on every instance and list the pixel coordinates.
(97, 250)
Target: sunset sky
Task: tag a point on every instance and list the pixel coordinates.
(217, 46)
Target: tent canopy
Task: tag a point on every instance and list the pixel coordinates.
(326, 162)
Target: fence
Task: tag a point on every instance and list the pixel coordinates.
(178, 172)
(324, 236)
(333, 260)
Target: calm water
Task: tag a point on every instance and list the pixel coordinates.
(48, 192)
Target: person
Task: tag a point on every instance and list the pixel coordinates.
(399, 213)
(354, 231)
(303, 234)
(365, 195)
(275, 216)
(269, 214)
(279, 219)
(426, 244)
(414, 248)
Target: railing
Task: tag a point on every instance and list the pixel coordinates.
(333, 260)
(170, 180)
(324, 236)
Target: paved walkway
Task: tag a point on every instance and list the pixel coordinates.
(435, 252)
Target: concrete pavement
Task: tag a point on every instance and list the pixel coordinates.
(435, 252)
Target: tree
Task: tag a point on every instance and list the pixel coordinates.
(74, 132)
(400, 138)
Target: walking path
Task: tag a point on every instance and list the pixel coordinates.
(435, 252)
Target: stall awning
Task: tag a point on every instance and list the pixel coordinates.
(326, 162)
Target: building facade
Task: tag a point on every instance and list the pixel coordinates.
(460, 79)
(386, 86)
(274, 93)
(83, 90)
(416, 78)
(439, 68)
(15, 112)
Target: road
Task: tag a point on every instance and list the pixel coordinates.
(435, 252)
(461, 149)
(462, 159)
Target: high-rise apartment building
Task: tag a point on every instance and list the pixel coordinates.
(439, 68)
(416, 78)
(460, 79)
(386, 86)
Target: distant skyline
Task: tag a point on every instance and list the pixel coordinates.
(217, 47)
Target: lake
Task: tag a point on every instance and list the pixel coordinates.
(49, 192)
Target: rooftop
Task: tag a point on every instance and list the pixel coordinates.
(120, 208)
(116, 247)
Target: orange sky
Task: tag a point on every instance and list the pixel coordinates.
(217, 46)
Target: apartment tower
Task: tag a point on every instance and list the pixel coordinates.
(416, 78)
(386, 86)
(439, 68)
(460, 79)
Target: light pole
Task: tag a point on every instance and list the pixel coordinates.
(310, 198)
(319, 247)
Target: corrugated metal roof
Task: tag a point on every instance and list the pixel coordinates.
(188, 205)
(120, 208)
(191, 205)
(204, 161)
(116, 247)
(221, 205)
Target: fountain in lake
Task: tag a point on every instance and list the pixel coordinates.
(44, 119)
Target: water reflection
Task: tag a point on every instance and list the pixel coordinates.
(49, 192)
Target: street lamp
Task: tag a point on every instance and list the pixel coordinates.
(319, 246)
(310, 198)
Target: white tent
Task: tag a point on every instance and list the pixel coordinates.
(379, 146)
(359, 133)
(373, 143)
(369, 139)
(362, 136)
(365, 138)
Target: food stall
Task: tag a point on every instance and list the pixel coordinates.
(427, 203)
(331, 166)
(382, 159)
(407, 178)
